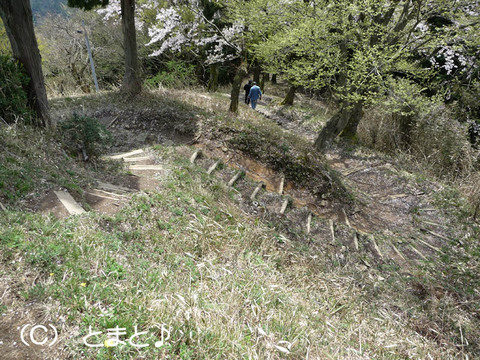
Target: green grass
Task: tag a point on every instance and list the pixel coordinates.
(224, 285)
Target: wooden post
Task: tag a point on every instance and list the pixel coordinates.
(257, 189)
(346, 218)
(282, 182)
(309, 220)
(332, 230)
(355, 240)
(375, 246)
(195, 155)
(213, 167)
(236, 177)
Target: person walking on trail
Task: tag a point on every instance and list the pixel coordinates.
(247, 88)
(254, 94)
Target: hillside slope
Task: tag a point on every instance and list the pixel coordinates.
(228, 275)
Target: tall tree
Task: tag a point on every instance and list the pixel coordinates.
(194, 26)
(5, 47)
(18, 21)
(236, 87)
(131, 80)
(288, 100)
(357, 49)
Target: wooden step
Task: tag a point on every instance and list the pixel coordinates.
(214, 166)
(146, 167)
(124, 155)
(257, 189)
(284, 206)
(136, 159)
(69, 202)
(235, 177)
(194, 156)
(113, 188)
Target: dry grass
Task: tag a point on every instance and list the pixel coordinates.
(225, 286)
(470, 186)
(436, 145)
(435, 139)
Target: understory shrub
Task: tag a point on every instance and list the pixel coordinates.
(177, 75)
(13, 98)
(435, 139)
(84, 134)
(424, 128)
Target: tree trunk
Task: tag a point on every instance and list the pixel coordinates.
(257, 70)
(290, 96)
(350, 131)
(263, 81)
(407, 124)
(274, 78)
(213, 81)
(131, 80)
(17, 18)
(337, 123)
(236, 87)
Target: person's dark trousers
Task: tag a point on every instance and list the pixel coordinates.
(247, 100)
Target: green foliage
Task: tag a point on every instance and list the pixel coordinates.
(87, 4)
(13, 98)
(177, 75)
(31, 163)
(5, 48)
(353, 48)
(465, 101)
(85, 133)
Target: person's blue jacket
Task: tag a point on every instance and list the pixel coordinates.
(255, 93)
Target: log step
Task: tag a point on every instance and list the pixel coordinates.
(309, 222)
(124, 155)
(115, 188)
(257, 189)
(284, 206)
(146, 167)
(135, 159)
(194, 156)
(280, 187)
(69, 202)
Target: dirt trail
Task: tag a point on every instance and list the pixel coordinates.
(390, 202)
(389, 205)
(144, 174)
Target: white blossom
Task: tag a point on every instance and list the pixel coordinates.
(170, 31)
(112, 11)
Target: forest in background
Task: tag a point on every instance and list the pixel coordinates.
(399, 71)
(41, 8)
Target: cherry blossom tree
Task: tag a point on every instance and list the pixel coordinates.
(190, 26)
(362, 50)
